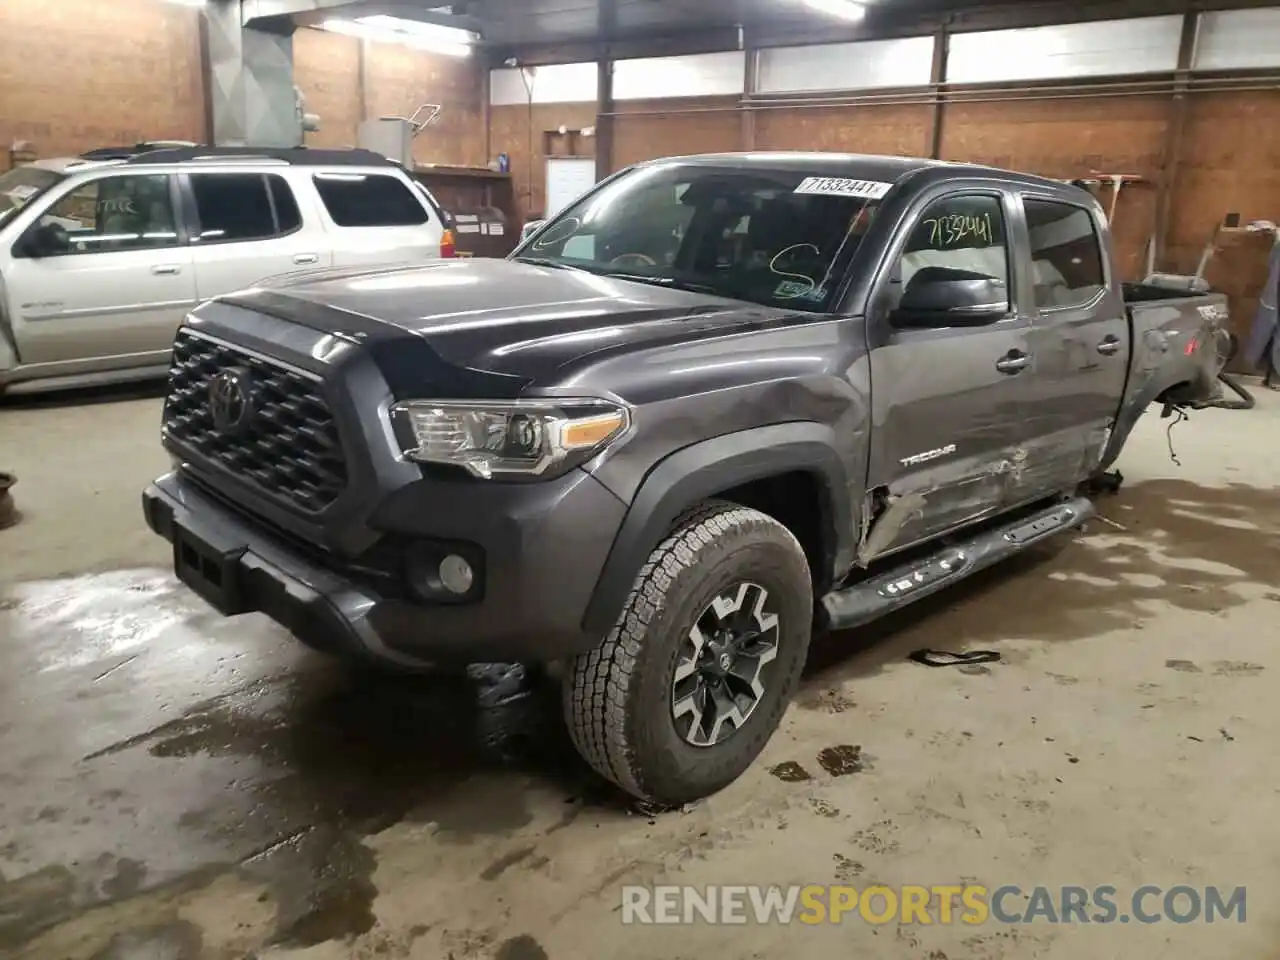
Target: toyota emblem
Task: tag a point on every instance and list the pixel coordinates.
(231, 400)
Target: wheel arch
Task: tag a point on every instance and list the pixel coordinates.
(748, 467)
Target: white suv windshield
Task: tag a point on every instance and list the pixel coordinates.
(773, 236)
(19, 187)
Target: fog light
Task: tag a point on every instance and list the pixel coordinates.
(456, 574)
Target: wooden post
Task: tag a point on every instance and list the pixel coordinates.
(1172, 150)
(750, 84)
(938, 78)
(604, 116)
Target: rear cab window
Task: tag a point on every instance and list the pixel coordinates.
(1066, 254)
(370, 200)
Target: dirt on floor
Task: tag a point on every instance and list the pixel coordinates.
(176, 786)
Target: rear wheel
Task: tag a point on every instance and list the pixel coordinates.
(690, 684)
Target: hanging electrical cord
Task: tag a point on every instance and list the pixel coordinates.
(1246, 401)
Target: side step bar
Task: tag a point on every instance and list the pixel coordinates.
(886, 592)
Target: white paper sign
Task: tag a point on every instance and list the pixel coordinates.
(842, 187)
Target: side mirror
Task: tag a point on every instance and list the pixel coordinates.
(955, 299)
(45, 240)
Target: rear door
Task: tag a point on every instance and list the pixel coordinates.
(247, 226)
(948, 404)
(376, 217)
(1080, 338)
(118, 286)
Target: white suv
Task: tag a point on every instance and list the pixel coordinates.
(102, 256)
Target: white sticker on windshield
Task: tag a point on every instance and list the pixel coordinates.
(842, 187)
(22, 192)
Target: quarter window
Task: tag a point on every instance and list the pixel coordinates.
(114, 214)
(243, 206)
(963, 235)
(1066, 255)
(369, 200)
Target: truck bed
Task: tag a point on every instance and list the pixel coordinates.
(1178, 352)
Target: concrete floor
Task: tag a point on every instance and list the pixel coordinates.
(174, 786)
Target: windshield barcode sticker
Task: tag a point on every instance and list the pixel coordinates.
(842, 187)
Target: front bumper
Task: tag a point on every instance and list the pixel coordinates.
(543, 553)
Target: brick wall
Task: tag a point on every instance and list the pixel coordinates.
(78, 74)
(397, 81)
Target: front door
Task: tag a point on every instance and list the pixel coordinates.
(114, 284)
(948, 403)
(1080, 337)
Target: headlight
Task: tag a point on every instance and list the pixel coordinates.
(519, 437)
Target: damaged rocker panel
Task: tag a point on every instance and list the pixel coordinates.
(876, 596)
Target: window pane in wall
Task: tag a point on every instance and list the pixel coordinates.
(557, 83)
(1143, 45)
(847, 66)
(1238, 40)
(701, 75)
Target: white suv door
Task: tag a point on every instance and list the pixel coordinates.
(101, 276)
(247, 226)
(377, 217)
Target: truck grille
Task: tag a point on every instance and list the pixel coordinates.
(285, 443)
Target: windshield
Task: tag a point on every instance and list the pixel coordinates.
(19, 187)
(776, 237)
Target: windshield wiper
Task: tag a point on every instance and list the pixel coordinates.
(674, 283)
(553, 264)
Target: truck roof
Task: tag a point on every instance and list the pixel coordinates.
(885, 169)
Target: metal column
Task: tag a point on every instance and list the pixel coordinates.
(252, 96)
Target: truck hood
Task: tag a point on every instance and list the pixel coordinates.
(500, 316)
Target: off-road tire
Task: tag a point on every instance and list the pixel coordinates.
(617, 697)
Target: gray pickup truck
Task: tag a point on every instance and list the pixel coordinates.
(718, 403)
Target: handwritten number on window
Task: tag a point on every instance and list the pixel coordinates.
(957, 229)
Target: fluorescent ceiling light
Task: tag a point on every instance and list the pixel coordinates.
(198, 4)
(429, 37)
(844, 9)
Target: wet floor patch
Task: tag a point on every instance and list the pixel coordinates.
(790, 772)
(1166, 542)
(841, 760)
(521, 948)
(302, 766)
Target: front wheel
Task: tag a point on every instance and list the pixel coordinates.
(689, 685)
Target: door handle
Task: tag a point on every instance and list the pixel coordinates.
(167, 269)
(1109, 345)
(303, 258)
(1015, 361)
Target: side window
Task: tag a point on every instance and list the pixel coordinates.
(1066, 256)
(235, 207)
(964, 234)
(113, 214)
(369, 200)
(288, 216)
